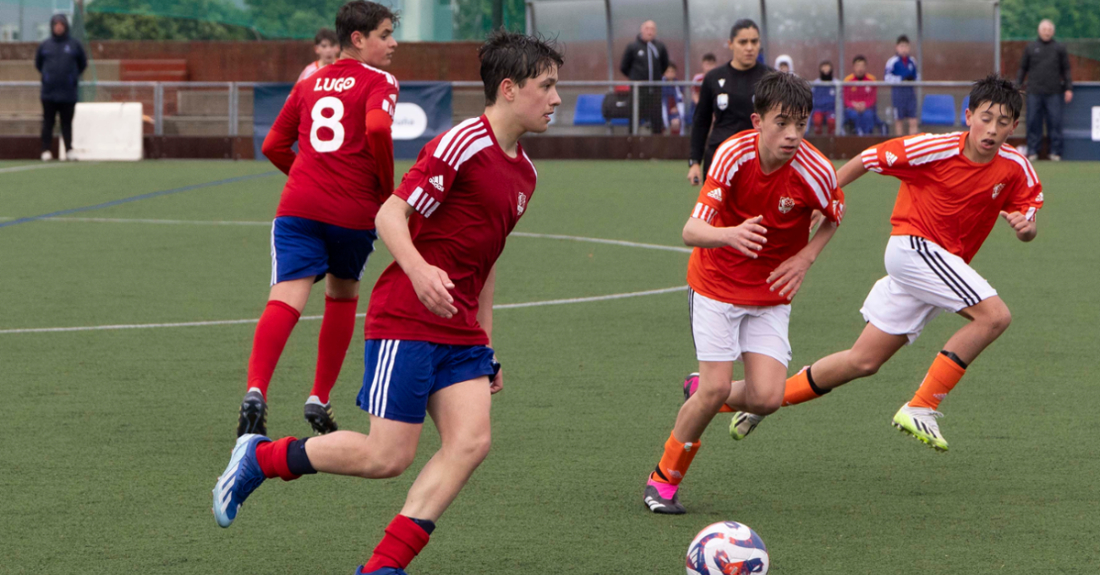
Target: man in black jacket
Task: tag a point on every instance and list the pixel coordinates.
(645, 60)
(61, 61)
(1049, 85)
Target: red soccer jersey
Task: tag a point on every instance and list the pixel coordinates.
(948, 199)
(468, 196)
(335, 176)
(736, 190)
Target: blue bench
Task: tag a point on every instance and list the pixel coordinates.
(589, 112)
(938, 110)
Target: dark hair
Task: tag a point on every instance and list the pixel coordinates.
(710, 57)
(515, 56)
(825, 63)
(742, 24)
(858, 59)
(997, 90)
(791, 93)
(361, 16)
(326, 34)
(673, 65)
(902, 38)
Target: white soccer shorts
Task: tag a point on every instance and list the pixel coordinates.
(922, 280)
(723, 331)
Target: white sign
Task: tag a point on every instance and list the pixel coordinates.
(108, 131)
(1096, 123)
(409, 121)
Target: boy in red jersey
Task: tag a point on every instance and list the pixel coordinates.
(326, 44)
(953, 188)
(324, 226)
(752, 251)
(430, 318)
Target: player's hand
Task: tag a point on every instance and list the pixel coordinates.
(498, 382)
(816, 219)
(1069, 96)
(1025, 229)
(787, 278)
(695, 175)
(432, 288)
(747, 238)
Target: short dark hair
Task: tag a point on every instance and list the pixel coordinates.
(673, 65)
(902, 39)
(791, 93)
(710, 57)
(515, 56)
(858, 59)
(326, 34)
(361, 16)
(825, 63)
(742, 24)
(997, 90)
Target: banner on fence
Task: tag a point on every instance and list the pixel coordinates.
(423, 112)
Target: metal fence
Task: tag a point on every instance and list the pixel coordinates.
(225, 108)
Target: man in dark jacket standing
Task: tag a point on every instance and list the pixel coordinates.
(645, 60)
(1049, 85)
(61, 61)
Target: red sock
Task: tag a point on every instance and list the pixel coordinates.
(403, 541)
(271, 455)
(337, 328)
(274, 329)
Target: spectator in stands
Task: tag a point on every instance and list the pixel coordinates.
(824, 112)
(709, 62)
(860, 101)
(784, 64)
(327, 47)
(60, 59)
(672, 101)
(1049, 85)
(903, 68)
(645, 60)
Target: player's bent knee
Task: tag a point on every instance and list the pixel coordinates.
(864, 366)
(473, 448)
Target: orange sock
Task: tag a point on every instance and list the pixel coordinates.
(675, 462)
(941, 379)
(801, 388)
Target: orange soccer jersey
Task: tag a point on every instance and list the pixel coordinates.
(736, 190)
(948, 199)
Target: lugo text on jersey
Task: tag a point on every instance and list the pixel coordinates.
(333, 84)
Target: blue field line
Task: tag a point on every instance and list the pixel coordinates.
(136, 198)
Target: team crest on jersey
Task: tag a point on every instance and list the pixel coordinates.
(436, 181)
(716, 193)
(333, 84)
(521, 204)
(786, 204)
(997, 190)
(890, 159)
(723, 101)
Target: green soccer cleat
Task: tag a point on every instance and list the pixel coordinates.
(920, 422)
(743, 423)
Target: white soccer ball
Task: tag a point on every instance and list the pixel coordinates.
(727, 548)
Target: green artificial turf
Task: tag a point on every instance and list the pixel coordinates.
(112, 439)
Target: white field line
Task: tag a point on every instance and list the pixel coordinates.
(317, 317)
(42, 166)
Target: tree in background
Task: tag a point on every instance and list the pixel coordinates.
(1072, 18)
(473, 19)
(173, 20)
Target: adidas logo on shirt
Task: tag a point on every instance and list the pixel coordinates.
(890, 159)
(716, 193)
(436, 181)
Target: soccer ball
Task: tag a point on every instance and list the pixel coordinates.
(727, 548)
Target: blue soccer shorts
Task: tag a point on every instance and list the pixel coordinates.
(302, 248)
(401, 374)
(905, 103)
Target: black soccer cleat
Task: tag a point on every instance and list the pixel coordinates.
(320, 417)
(253, 418)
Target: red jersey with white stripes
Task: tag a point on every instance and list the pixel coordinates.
(334, 178)
(736, 190)
(948, 199)
(468, 196)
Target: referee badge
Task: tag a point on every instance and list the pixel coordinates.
(723, 101)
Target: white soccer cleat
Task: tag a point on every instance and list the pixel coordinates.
(47, 156)
(920, 422)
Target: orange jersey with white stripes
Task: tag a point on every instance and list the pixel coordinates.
(736, 190)
(310, 70)
(948, 199)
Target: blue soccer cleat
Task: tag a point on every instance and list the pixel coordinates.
(382, 571)
(241, 477)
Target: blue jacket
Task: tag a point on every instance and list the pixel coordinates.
(61, 61)
(900, 70)
(824, 98)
